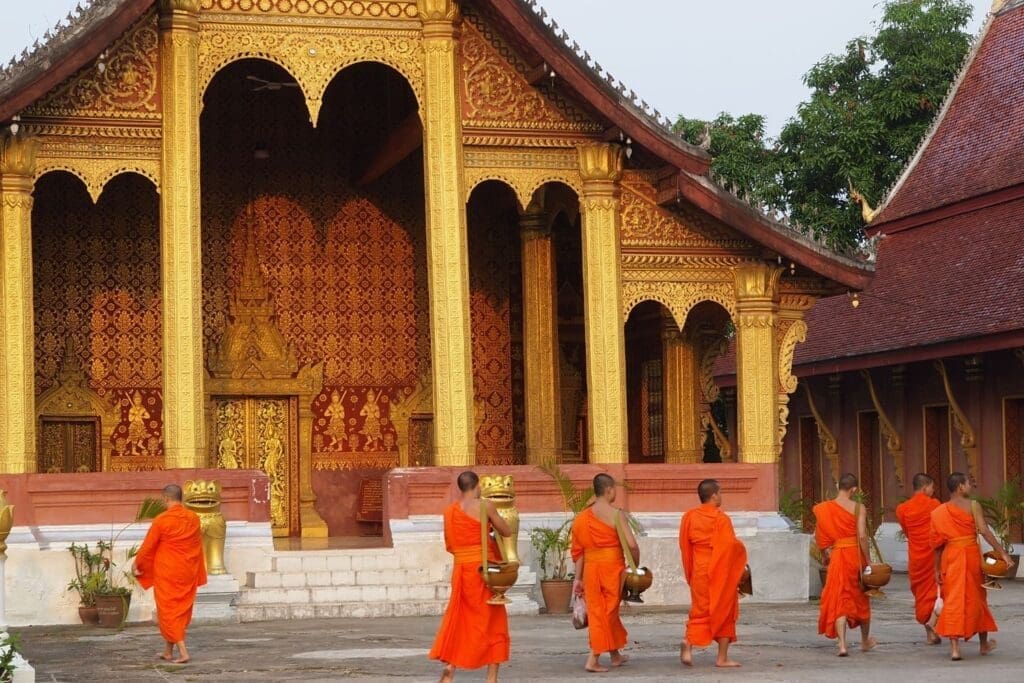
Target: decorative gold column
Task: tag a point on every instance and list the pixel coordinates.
(601, 170)
(756, 319)
(180, 234)
(684, 441)
(17, 339)
(540, 339)
(447, 250)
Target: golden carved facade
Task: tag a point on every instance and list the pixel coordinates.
(408, 334)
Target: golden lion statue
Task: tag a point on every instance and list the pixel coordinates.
(203, 498)
(500, 490)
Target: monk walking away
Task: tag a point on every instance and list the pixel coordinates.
(170, 562)
(600, 571)
(841, 533)
(954, 535)
(472, 634)
(915, 518)
(713, 562)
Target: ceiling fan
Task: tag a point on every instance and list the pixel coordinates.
(272, 86)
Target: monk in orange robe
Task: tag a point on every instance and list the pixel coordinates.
(600, 572)
(915, 518)
(843, 539)
(171, 562)
(955, 528)
(713, 562)
(472, 634)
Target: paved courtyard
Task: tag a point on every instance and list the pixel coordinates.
(777, 643)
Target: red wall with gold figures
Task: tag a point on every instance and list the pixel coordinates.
(96, 282)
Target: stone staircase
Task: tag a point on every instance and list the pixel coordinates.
(371, 582)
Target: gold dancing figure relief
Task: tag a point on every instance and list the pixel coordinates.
(372, 425)
(137, 433)
(227, 448)
(336, 426)
(271, 419)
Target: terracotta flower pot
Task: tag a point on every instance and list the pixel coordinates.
(113, 610)
(90, 616)
(557, 594)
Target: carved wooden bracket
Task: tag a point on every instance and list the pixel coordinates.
(960, 422)
(828, 440)
(724, 447)
(893, 442)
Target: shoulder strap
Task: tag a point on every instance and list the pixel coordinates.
(975, 507)
(622, 540)
(483, 539)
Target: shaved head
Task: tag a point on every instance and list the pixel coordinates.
(847, 482)
(468, 481)
(955, 481)
(706, 489)
(603, 483)
(172, 492)
(921, 480)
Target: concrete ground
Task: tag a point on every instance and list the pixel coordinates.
(777, 643)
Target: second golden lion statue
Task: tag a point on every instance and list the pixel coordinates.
(203, 498)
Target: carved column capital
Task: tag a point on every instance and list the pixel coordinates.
(756, 282)
(438, 11)
(18, 155)
(600, 163)
(179, 14)
(534, 224)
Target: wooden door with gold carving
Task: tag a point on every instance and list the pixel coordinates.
(261, 433)
(68, 445)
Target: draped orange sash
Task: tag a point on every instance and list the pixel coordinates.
(915, 518)
(964, 603)
(842, 595)
(713, 561)
(603, 572)
(472, 633)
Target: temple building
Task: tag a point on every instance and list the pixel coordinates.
(924, 370)
(311, 242)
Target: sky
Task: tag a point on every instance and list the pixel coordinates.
(691, 57)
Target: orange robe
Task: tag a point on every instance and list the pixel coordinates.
(842, 595)
(964, 604)
(472, 633)
(713, 561)
(171, 562)
(604, 568)
(915, 518)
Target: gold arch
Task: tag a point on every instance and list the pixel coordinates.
(312, 56)
(476, 181)
(96, 174)
(678, 297)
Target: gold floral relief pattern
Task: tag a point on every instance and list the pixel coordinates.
(497, 95)
(97, 280)
(121, 83)
(645, 224)
(368, 9)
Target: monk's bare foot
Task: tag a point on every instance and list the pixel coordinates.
(447, 673)
(728, 664)
(619, 660)
(868, 644)
(166, 656)
(593, 667)
(843, 652)
(686, 655)
(181, 660)
(988, 646)
(931, 637)
(954, 650)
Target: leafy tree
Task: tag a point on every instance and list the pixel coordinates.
(741, 158)
(869, 107)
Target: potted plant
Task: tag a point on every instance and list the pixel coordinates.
(1004, 512)
(104, 592)
(552, 546)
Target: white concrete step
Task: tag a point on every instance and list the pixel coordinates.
(362, 610)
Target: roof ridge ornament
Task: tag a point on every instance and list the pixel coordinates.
(866, 211)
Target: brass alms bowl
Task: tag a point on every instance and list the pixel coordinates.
(636, 582)
(500, 576)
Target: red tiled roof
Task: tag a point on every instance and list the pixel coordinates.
(953, 279)
(977, 145)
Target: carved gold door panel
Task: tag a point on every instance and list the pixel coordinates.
(68, 445)
(260, 434)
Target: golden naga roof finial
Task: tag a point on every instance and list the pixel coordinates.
(866, 212)
(996, 6)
